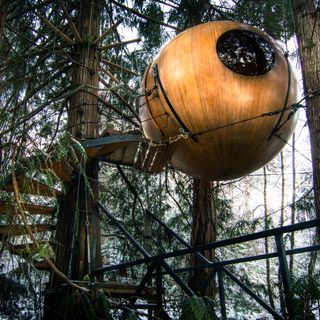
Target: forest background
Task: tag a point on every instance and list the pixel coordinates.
(37, 88)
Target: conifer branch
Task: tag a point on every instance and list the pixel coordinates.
(119, 44)
(104, 34)
(41, 108)
(121, 99)
(41, 86)
(119, 112)
(56, 30)
(168, 4)
(31, 9)
(72, 25)
(117, 66)
(140, 15)
(110, 75)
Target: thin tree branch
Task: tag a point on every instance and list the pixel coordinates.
(117, 66)
(31, 9)
(140, 15)
(121, 99)
(119, 112)
(72, 25)
(55, 29)
(104, 34)
(41, 86)
(119, 44)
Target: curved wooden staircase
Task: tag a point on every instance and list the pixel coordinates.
(122, 149)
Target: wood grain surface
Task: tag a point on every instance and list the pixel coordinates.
(210, 99)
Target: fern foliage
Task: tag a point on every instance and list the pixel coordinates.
(197, 308)
(129, 315)
(90, 305)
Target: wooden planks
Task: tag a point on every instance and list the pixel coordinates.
(9, 208)
(33, 187)
(18, 230)
(116, 289)
(42, 265)
(152, 158)
(22, 250)
(62, 169)
(130, 150)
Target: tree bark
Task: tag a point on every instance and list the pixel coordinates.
(203, 231)
(307, 30)
(282, 219)
(266, 242)
(83, 111)
(293, 206)
(78, 246)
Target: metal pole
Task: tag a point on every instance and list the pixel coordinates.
(222, 295)
(159, 289)
(148, 246)
(125, 231)
(275, 314)
(285, 276)
(144, 281)
(185, 243)
(94, 239)
(177, 279)
(183, 286)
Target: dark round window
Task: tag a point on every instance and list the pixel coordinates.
(245, 52)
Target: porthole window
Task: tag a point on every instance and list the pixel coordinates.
(245, 52)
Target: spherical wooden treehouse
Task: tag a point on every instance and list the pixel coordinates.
(225, 86)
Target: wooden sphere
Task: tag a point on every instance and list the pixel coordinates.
(204, 83)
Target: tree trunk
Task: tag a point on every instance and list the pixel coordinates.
(282, 219)
(307, 30)
(266, 243)
(78, 229)
(293, 206)
(203, 231)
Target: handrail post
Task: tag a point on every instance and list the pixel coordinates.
(159, 288)
(284, 270)
(148, 243)
(222, 294)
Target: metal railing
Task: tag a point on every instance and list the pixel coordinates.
(159, 267)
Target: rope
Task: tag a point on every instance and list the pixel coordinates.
(276, 127)
(286, 142)
(267, 114)
(297, 106)
(87, 222)
(183, 128)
